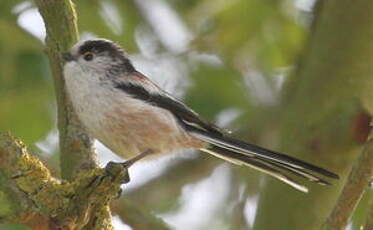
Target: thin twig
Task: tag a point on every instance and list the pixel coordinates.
(357, 183)
(369, 222)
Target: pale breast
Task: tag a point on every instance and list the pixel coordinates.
(128, 126)
(139, 127)
(125, 125)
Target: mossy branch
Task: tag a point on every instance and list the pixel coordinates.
(31, 196)
(357, 183)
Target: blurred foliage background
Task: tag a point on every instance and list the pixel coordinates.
(227, 59)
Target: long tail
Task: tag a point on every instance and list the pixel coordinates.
(275, 164)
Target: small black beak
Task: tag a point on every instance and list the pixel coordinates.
(67, 57)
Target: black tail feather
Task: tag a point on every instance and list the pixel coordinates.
(279, 157)
(285, 168)
(273, 163)
(256, 151)
(257, 164)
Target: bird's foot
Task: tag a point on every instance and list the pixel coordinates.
(115, 169)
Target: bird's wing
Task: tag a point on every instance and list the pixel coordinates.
(140, 87)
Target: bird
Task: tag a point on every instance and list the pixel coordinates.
(135, 118)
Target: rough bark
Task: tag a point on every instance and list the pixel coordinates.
(31, 196)
(322, 116)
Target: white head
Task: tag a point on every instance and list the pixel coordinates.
(98, 57)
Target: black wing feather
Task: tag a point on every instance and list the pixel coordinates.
(184, 114)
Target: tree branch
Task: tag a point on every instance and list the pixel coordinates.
(31, 196)
(76, 148)
(75, 145)
(357, 183)
(369, 222)
(136, 217)
(169, 185)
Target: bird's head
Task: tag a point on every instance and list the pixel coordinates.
(97, 56)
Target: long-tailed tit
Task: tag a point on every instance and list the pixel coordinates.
(133, 117)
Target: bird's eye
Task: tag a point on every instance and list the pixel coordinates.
(88, 56)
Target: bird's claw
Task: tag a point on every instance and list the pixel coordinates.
(114, 168)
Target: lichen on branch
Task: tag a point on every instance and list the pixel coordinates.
(33, 196)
